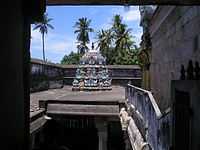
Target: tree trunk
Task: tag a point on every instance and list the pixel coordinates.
(43, 47)
(43, 66)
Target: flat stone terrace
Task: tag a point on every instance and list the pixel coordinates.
(117, 94)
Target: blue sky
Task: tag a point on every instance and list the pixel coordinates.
(62, 39)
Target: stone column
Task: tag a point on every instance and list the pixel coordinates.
(101, 126)
(32, 142)
(14, 107)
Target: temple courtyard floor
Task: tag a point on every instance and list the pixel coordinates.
(117, 94)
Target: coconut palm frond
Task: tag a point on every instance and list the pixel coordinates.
(50, 26)
(82, 29)
(43, 28)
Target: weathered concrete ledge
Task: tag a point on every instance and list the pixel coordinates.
(37, 121)
(68, 102)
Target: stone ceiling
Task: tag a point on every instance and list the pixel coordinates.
(119, 2)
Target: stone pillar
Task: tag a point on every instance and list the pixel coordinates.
(32, 142)
(102, 140)
(14, 107)
(101, 126)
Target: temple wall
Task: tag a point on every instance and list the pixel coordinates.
(120, 74)
(175, 39)
(55, 76)
(51, 77)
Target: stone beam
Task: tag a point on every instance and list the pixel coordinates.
(89, 110)
(121, 2)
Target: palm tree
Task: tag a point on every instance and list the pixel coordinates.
(82, 29)
(123, 41)
(105, 40)
(117, 21)
(121, 33)
(43, 28)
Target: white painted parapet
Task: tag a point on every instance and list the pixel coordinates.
(135, 137)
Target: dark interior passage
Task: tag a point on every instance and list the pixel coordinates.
(75, 133)
(72, 134)
(115, 136)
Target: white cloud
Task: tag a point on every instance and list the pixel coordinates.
(138, 35)
(131, 14)
(56, 45)
(138, 38)
(35, 35)
(107, 24)
(63, 46)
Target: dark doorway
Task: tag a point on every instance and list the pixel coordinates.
(115, 136)
(182, 120)
(70, 134)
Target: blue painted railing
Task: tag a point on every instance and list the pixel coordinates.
(154, 125)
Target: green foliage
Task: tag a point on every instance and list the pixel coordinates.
(43, 27)
(82, 29)
(105, 40)
(117, 44)
(72, 58)
(44, 24)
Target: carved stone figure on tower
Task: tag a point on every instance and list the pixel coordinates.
(92, 73)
